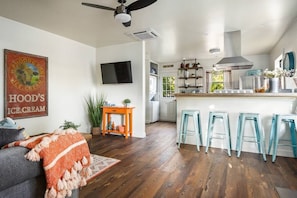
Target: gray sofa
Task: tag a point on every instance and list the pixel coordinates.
(22, 177)
(19, 177)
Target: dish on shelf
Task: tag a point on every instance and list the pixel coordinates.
(289, 63)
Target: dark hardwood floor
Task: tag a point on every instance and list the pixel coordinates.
(154, 167)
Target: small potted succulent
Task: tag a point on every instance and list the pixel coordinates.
(69, 124)
(127, 102)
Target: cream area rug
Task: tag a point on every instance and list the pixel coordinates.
(100, 164)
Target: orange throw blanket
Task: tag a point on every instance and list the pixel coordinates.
(66, 160)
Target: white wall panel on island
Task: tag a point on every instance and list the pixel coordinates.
(265, 104)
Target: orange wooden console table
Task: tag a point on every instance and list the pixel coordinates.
(127, 112)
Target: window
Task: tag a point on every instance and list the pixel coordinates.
(218, 79)
(168, 84)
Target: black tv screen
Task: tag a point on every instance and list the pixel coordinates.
(118, 72)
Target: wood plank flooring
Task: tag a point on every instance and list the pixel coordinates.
(154, 167)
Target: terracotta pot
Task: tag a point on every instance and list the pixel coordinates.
(96, 131)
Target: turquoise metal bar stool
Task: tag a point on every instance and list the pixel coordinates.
(258, 133)
(274, 139)
(213, 115)
(185, 114)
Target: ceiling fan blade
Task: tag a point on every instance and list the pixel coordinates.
(98, 6)
(140, 4)
(127, 24)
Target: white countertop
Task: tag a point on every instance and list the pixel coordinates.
(236, 95)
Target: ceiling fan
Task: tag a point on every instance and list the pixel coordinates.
(122, 13)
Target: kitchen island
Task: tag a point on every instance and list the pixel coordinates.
(266, 104)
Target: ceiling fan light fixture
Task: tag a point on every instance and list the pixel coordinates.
(122, 13)
(123, 17)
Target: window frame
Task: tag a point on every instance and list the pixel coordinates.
(167, 73)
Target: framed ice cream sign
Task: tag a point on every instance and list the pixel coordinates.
(25, 85)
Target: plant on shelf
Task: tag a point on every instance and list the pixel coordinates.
(274, 83)
(127, 102)
(69, 124)
(94, 107)
(276, 73)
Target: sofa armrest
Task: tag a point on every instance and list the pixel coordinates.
(15, 168)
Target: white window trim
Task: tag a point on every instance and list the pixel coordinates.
(171, 74)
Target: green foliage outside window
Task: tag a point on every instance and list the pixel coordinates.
(217, 79)
(168, 86)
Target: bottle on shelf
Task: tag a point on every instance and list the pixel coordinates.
(109, 126)
(187, 74)
(112, 126)
(190, 76)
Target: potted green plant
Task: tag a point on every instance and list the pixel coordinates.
(94, 107)
(69, 124)
(127, 102)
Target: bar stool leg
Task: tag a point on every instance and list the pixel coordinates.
(263, 146)
(276, 138)
(227, 129)
(186, 127)
(240, 134)
(195, 119)
(257, 134)
(272, 132)
(199, 130)
(260, 138)
(182, 129)
(293, 136)
(210, 130)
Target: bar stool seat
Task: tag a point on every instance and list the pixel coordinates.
(274, 139)
(213, 115)
(195, 114)
(258, 133)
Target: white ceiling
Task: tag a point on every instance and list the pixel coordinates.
(187, 28)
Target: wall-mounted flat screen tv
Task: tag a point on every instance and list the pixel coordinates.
(118, 72)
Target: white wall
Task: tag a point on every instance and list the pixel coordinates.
(116, 93)
(70, 74)
(287, 43)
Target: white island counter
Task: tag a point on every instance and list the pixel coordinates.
(263, 103)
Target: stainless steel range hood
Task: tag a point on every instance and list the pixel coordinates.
(232, 48)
